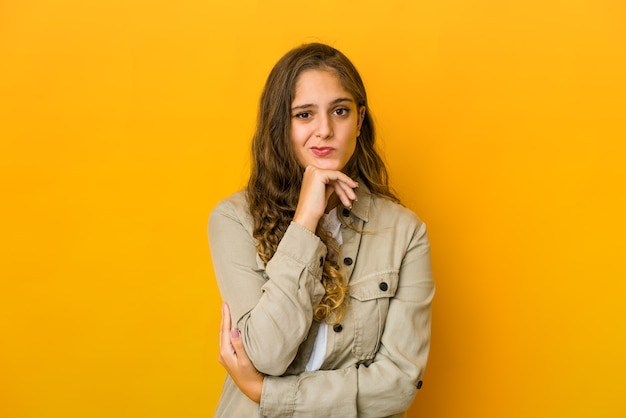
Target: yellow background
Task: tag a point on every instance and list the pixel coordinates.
(122, 123)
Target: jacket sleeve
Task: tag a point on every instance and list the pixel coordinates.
(271, 306)
(388, 385)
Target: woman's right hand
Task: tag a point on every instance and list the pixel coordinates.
(318, 185)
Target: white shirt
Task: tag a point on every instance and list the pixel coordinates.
(333, 226)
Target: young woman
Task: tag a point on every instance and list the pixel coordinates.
(326, 278)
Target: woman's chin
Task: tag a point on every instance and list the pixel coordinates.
(327, 165)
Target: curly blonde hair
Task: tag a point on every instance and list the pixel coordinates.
(276, 175)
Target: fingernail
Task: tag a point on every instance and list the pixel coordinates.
(234, 333)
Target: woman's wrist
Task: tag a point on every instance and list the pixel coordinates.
(308, 222)
(256, 390)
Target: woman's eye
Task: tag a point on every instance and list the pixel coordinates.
(342, 111)
(303, 115)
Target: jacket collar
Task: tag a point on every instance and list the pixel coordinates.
(361, 207)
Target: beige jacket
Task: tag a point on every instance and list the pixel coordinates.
(375, 358)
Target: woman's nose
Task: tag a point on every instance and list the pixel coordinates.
(324, 128)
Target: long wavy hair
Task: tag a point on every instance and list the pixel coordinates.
(276, 175)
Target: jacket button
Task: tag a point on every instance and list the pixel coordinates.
(419, 385)
(383, 286)
(337, 327)
(321, 261)
(345, 212)
(347, 261)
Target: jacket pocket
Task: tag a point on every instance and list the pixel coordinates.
(370, 298)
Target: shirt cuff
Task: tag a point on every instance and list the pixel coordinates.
(278, 397)
(302, 245)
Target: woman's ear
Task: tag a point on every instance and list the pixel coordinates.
(360, 122)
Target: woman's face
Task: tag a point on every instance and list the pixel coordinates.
(325, 120)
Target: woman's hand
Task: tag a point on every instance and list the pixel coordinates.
(235, 360)
(318, 185)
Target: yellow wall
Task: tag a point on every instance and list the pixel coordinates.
(122, 123)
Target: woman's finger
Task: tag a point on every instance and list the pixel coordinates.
(333, 175)
(221, 326)
(226, 316)
(237, 343)
(339, 183)
(328, 176)
(345, 194)
(341, 195)
(225, 337)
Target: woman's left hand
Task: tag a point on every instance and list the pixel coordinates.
(235, 360)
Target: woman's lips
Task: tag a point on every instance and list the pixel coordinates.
(322, 152)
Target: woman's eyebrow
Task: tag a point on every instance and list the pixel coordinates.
(334, 102)
(341, 100)
(303, 106)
